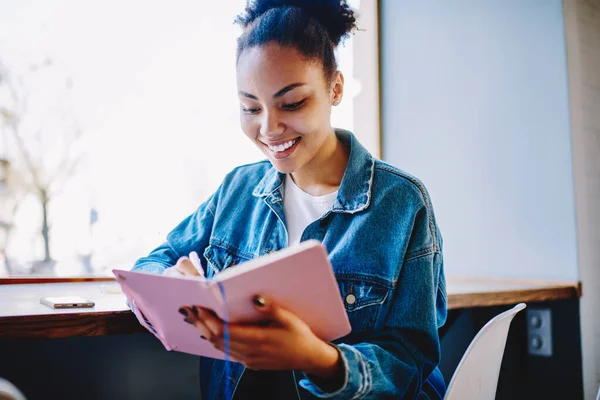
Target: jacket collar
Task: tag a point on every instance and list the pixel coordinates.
(354, 194)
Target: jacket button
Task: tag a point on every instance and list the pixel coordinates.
(351, 299)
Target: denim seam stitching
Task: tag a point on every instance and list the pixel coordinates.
(211, 211)
(361, 383)
(429, 251)
(413, 354)
(423, 192)
(378, 302)
(173, 248)
(368, 194)
(259, 189)
(365, 384)
(373, 279)
(234, 251)
(141, 264)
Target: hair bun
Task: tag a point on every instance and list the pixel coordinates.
(335, 16)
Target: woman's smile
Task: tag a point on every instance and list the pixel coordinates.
(283, 150)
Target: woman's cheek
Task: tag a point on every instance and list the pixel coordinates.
(303, 122)
(249, 127)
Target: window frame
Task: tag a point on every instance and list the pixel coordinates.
(367, 123)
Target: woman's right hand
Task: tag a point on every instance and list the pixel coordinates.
(184, 267)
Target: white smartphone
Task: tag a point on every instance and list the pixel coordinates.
(67, 302)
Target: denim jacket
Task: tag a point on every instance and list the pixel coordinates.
(385, 248)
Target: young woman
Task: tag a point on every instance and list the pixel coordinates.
(317, 182)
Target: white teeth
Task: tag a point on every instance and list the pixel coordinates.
(283, 147)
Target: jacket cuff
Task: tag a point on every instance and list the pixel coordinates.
(357, 380)
(149, 267)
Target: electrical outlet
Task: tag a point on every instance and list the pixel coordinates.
(539, 331)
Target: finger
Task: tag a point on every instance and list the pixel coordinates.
(172, 271)
(205, 333)
(195, 259)
(185, 266)
(200, 325)
(235, 347)
(188, 314)
(273, 312)
(211, 321)
(246, 343)
(191, 317)
(252, 335)
(241, 355)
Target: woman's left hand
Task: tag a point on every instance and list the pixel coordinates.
(282, 342)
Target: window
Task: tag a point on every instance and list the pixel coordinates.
(120, 117)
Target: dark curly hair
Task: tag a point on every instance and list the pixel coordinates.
(314, 27)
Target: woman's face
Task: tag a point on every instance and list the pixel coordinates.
(285, 104)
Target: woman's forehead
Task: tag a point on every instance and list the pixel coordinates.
(273, 66)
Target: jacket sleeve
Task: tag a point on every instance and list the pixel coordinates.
(192, 234)
(395, 361)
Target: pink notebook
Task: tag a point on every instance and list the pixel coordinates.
(299, 278)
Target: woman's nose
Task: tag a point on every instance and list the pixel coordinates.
(270, 125)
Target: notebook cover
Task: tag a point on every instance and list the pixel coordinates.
(298, 278)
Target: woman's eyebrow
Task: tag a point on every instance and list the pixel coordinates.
(288, 88)
(278, 94)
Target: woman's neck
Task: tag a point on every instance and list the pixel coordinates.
(324, 173)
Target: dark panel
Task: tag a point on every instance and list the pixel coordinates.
(523, 376)
(103, 367)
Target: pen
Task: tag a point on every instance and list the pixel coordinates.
(196, 262)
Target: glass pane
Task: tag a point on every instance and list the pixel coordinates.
(118, 120)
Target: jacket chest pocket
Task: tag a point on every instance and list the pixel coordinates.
(363, 301)
(219, 259)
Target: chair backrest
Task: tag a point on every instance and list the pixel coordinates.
(8, 391)
(476, 376)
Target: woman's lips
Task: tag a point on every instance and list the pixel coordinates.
(280, 155)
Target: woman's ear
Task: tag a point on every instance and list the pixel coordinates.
(337, 88)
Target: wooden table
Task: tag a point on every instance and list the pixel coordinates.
(22, 316)
(468, 292)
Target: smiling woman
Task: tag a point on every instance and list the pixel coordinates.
(317, 182)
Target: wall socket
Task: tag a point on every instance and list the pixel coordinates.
(539, 331)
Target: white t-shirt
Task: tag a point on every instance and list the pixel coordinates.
(302, 209)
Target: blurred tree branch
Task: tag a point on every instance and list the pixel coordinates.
(43, 156)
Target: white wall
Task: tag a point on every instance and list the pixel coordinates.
(366, 74)
(475, 103)
(582, 22)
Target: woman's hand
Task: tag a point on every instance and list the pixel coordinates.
(183, 267)
(282, 342)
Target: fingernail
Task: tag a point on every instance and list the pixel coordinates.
(195, 310)
(203, 337)
(259, 301)
(189, 321)
(184, 312)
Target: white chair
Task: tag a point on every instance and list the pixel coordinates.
(476, 376)
(8, 391)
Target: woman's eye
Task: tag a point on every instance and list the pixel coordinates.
(293, 106)
(250, 110)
